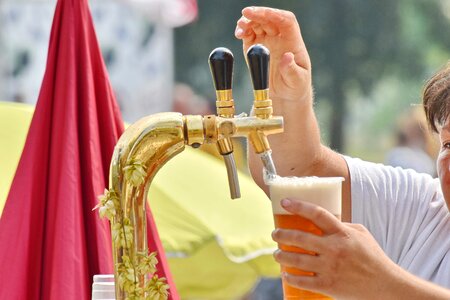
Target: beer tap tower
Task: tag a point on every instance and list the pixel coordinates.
(150, 142)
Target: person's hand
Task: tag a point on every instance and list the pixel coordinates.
(290, 67)
(349, 263)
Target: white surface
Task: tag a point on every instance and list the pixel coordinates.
(406, 213)
(103, 287)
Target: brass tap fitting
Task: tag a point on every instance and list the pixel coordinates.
(152, 141)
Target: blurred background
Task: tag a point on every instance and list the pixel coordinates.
(370, 60)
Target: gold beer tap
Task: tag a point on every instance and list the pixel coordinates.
(258, 60)
(221, 66)
(152, 141)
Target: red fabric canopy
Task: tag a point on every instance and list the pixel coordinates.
(51, 242)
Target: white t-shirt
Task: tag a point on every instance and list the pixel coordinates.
(406, 213)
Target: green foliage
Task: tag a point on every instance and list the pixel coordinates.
(134, 264)
(135, 173)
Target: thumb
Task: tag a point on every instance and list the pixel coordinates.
(289, 70)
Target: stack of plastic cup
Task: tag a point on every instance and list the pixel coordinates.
(103, 287)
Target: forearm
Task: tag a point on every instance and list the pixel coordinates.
(404, 285)
(298, 151)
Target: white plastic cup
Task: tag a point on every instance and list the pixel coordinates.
(322, 191)
(103, 287)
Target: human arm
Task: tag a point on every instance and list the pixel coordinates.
(298, 151)
(349, 264)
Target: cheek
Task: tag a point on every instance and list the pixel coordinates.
(443, 168)
(443, 165)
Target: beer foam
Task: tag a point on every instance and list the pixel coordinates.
(323, 191)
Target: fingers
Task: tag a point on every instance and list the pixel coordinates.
(259, 23)
(265, 21)
(246, 28)
(300, 239)
(243, 27)
(304, 262)
(323, 219)
(264, 15)
(312, 283)
(307, 263)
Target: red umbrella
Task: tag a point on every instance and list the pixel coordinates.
(51, 242)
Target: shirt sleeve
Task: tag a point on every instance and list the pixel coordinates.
(394, 204)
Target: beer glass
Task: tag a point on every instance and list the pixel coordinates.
(322, 191)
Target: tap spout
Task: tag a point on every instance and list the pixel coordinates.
(230, 164)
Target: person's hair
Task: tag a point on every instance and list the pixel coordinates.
(436, 98)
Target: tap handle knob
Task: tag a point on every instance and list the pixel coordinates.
(258, 58)
(221, 64)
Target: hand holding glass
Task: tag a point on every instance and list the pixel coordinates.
(322, 191)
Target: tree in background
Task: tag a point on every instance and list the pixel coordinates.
(354, 45)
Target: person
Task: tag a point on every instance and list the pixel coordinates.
(398, 244)
(414, 144)
(186, 101)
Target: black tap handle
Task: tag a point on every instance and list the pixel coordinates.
(221, 64)
(258, 58)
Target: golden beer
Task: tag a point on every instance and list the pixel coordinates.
(322, 191)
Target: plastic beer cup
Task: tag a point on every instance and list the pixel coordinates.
(322, 191)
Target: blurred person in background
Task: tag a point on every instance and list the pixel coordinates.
(416, 147)
(187, 102)
(398, 246)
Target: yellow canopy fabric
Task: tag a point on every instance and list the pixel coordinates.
(14, 122)
(217, 247)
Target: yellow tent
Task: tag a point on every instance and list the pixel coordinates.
(217, 247)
